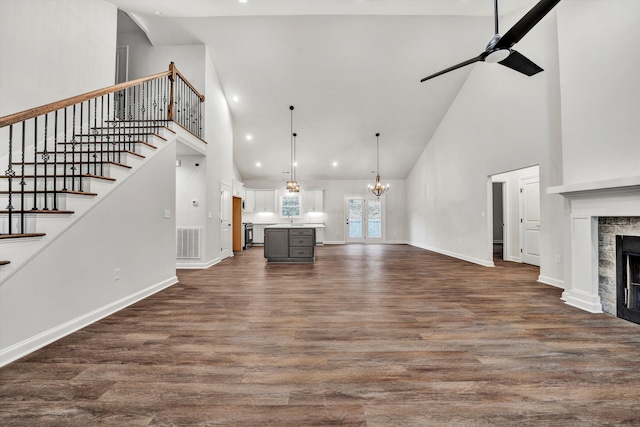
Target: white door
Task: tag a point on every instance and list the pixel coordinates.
(530, 220)
(364, 219)
(226, 231)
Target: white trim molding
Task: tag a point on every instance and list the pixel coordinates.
(454, 255)
(21, 349)
(588, 201)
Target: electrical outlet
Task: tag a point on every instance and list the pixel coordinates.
(167, 213)
(116, 274)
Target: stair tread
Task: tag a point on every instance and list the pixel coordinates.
(61, 153)
(5, 262)
(103, 162)
(109, 142)
(84, 175)
(21, 236)
(79, 193)
(38, 211)
(99, 135)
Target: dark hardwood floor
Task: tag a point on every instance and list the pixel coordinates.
(367, 336)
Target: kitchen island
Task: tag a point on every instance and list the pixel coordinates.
(290, 243)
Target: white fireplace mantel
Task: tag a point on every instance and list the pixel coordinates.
(588, 201)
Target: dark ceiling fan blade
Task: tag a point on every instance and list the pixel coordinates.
(480, 57)
(526, 23)
(519, 62)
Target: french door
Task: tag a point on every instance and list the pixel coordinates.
(364, 219)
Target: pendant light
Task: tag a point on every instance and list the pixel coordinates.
(292, 184)
(378, 189)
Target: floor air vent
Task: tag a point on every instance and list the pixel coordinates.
(188, 242)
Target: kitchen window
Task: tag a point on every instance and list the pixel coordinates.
(290, 206)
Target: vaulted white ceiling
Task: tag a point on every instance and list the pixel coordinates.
(351, 68)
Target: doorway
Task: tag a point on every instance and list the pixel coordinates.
(499, 224)
(237, 224)
(364, 219)
(520, 215)
(225, 221)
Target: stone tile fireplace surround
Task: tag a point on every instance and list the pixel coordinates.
(598, 212)
(608, 229)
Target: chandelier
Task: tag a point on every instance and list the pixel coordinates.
(292, 184)
(378, 189)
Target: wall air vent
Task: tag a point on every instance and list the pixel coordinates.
(188, 242)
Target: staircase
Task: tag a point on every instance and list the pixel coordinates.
(58, 160)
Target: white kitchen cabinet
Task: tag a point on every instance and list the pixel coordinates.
(313, 201)
(258, 234)
(265, 201)
(249, 200)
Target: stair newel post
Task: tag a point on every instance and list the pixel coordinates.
(172, 79)
(10, 174)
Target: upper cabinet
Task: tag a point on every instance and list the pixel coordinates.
(265, 201)
(249, 200)
(313, 200)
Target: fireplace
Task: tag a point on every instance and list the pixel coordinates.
(628, 277)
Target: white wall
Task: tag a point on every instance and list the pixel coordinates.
(54, 49)
(500, 121)
(599, 69)
(70, 283)
(334, 214)
(196, 64)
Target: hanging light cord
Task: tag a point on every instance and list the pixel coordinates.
(377, 154)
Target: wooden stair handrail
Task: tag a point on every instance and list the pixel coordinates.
(49, 108)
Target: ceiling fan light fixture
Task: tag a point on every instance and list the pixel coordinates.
(497, 56)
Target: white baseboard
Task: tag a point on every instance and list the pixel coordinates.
(197, 265)
(396, 242)
(335, 242)
(21, 349)
(551, 281)
(481, 262)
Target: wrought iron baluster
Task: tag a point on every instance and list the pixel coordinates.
(10, 173)
(64, 155)
(22, 181)
(35, 165)
(55, 162)
(45, 160)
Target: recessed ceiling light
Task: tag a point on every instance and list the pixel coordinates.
(258, 164)
(158, 12)
(335, 164)
(249, 137)
(242, 1)
(235, 98)
(295, 163)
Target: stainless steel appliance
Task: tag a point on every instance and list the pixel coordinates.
(248, 235)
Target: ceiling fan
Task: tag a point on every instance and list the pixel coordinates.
(499, 47)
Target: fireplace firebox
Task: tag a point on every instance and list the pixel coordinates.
(628, 277)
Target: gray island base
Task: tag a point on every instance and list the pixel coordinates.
(289, 243)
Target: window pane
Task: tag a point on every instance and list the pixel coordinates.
(355, 229)
(290, 206)
(374, 229)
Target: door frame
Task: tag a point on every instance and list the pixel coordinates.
(365, 220)
(229, 251)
